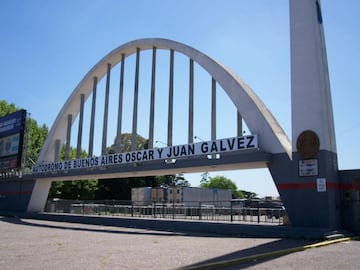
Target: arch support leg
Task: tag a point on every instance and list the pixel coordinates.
(39, 196)
(311, 201)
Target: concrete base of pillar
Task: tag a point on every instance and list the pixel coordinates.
(312, 200)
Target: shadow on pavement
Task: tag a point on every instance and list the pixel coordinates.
(28, 222)
(249, 257)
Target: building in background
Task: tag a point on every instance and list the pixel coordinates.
(186, 196)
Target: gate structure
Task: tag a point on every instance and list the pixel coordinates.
(304, 169)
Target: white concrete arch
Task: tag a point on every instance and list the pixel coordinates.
(272, 138)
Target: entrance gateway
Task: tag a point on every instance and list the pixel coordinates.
(304, 169)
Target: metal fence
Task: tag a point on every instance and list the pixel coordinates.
(207, 211)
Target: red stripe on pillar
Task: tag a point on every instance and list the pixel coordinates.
(290, 186)
(329, 185)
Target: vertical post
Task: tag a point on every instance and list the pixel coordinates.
(81, 120)
(200, 211)
(106, 110)
(152, 100)
(68, 137)
(191, 102)
(213, 109)
(173, 210)
(92, 119)
(118, 140)
(171, 99)
(57, 150)
(136, 97)
(239, 125)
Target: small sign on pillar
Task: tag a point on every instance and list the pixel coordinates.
(321, 184)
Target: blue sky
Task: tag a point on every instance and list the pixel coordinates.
(48, 46)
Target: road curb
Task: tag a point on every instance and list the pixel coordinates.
(227, 263)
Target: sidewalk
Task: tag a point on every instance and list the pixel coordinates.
(192, 226)
(103, 243)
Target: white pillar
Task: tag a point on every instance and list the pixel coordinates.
(310, 86)
(39, 196)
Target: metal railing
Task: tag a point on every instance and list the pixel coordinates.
(221, 212)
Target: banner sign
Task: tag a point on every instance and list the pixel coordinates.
(170, 152)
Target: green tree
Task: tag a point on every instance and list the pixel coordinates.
(35, 137)
(249, 194)
(123, 144)
(172, 180)
(221, 182)
(204, 178)
(6, 108)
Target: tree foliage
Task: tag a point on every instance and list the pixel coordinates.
(6, 108)
(221, 182)
(172, 180)
(123, 144)
(249, 194)
(204, 178)
(35, 138)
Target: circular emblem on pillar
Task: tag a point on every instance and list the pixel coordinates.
(308, 144)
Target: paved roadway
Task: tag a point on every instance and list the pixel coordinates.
(28, 243)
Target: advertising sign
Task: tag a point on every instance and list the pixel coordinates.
(12, 127)
(12, 123)
(9, 145)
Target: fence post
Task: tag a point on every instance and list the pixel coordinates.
(132, 209)
(154, 209)
(173, 215)
(163, 209)
(231, 211)
(199, 210)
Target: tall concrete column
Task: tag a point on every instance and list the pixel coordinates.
(171, 100)
(118, 139)
(81, 121)
(106, 110)
(308, 183)
(152, 100)
(92, 119)
(191, 102)
(136, 99)
(213, 109)
(68, 136)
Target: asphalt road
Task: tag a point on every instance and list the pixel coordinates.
(27, 243)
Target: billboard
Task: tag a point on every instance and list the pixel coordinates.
(12, 128)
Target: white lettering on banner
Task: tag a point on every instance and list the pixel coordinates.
(177, 151)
